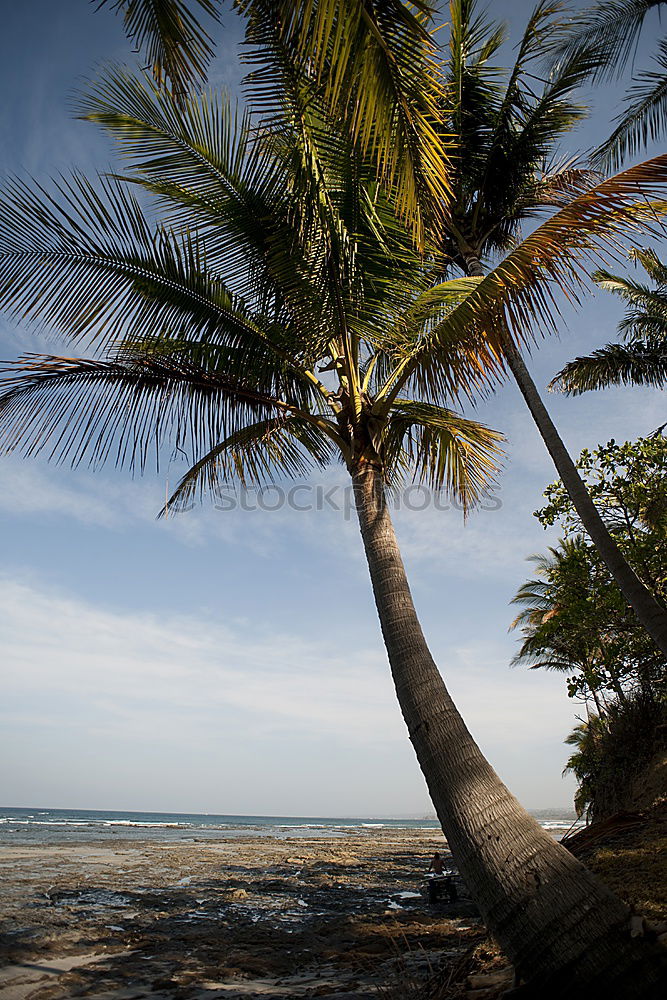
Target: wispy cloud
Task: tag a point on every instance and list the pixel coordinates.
(132, 685)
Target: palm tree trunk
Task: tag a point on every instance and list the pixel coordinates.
(560, 926)
(651, 614)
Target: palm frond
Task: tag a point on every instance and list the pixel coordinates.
(170, 35)
(100, 410)
(611, 28)
(266, 205)
(73, 259)
(443, 449)
(84, 261)
(651, 263)
(201, 161)
(553, 260)
(646, 307)
(255, 455)
(643, 119)
(643, 361)
(615, 364)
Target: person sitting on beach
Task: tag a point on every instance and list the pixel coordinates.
(442, 882)
(436, 865)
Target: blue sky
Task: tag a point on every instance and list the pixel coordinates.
(232, 661)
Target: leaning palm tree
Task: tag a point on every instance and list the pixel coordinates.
(504, 134)
(642, 360)
(280, 319)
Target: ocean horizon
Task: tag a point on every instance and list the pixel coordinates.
(39, 825)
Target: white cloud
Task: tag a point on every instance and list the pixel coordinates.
(135, 667)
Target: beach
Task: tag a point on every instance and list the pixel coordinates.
(243, 917)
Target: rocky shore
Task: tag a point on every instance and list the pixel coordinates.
(252, 917)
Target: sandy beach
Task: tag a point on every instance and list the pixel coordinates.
(243, 918)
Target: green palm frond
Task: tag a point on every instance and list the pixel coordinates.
(643, 360)
(376, 67)
(609, 33)
(255, 455)
(633, 292)
(443, 449)
(202, 162)
(646, 307)
(273, 215)
(614, 364)
(643, 118)
(84, 260)
(535, 657)
(201, 145)
(472, 81)
(651, 263)
(169, 34)
(100, 410)
(612, 29)
(455, 370)
(530, 122)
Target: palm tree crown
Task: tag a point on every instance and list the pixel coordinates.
(505, 130)
(284, 261)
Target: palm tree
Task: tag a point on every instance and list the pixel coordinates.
(609, 32)
(504, 136)
(280, 258)
(583, 762)
(642, 360)
(374, 67)
(565, 622)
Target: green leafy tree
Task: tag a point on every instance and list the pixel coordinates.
(628, 483)
(280, 257)
(642, 359)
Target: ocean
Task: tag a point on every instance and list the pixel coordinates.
(53, 826)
